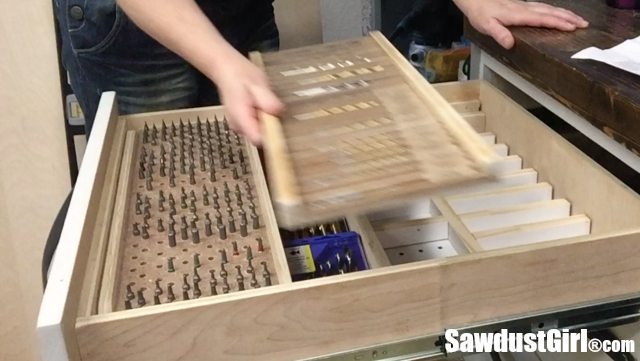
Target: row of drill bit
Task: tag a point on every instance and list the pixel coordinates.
(193, 290)
(143, 208)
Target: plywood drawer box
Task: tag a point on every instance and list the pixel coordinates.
(446, 276)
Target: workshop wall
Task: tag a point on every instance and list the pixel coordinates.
(34, 174)
(300, 22)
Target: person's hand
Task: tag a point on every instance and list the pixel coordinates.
(245, 91)
(492, 17)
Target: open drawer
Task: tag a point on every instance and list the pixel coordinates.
(459, 266)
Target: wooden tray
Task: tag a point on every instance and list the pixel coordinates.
(361, 129)
(290, 321)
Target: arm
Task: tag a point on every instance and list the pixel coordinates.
(182, 27)
(492, 17)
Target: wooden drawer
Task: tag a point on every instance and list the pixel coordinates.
(453, 282)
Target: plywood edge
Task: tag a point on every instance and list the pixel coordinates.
(95, 264)
(58, 311)
(459, 91)
(448, 117)
(463, 242)
(117, 228)
(393, 225)
(281, 172)
(275, 242)
(516, 230)
(376, 256)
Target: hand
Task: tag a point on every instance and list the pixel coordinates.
(492, 17)
(245, 92)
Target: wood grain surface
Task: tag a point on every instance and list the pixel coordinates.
(606, 96)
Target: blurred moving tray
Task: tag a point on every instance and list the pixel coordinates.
(361, 129)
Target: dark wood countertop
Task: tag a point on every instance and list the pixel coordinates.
(606, 96)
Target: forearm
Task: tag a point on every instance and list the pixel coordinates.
(183, 28)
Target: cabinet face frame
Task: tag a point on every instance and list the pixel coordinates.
(331, 315)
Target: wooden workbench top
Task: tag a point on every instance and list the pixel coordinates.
(606, 96)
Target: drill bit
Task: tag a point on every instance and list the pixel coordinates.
(266, 275)
(234, 245)
(260, 244)
(141, 301)
(130, 295)
(195, 235)
(172, 237)
(192, 175)
(222, 231)
(249, 252)
(240, 278)
(157, 293)
(223, 255)
(243, 228)
(196, 260)
(225, 286)
(232, 225)
(250, 268)
(145, 231)
(255, 221)
(170, 266)
(160, 225)
(136, 229)
(213, 283)
(254, 282)
(234, 172)
(170, 295)
(207, 225)
(223, 271)
(184, 231)
(185, 287)
(196, 290)
(245, 169)
(145, 134)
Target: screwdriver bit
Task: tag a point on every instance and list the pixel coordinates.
(234, 173)
(184, 231)
(232, 225)
(160, 225)
(170, 267)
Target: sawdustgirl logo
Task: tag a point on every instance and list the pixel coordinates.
(541, 341)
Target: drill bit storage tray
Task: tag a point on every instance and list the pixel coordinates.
(419, 293)
(361, 129)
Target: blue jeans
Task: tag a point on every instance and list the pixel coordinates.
(103, 50)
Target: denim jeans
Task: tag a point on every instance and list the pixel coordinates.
(103, 50)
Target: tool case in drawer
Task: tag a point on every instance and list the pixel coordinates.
(571, 236)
